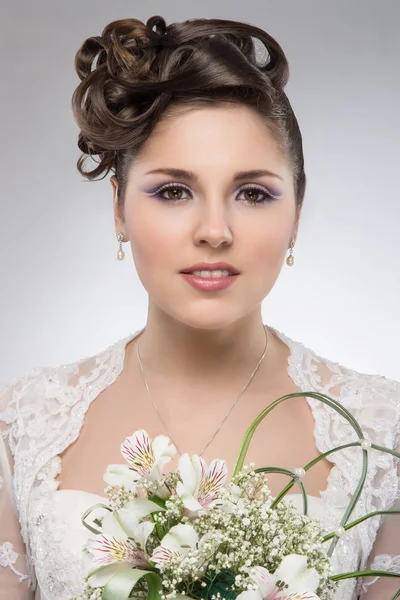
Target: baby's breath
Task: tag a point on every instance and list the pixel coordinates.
(243, 531)
(238, 531)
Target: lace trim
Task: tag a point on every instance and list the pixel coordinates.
(8, 558)
(383, 562)
(28, 463)
(332, 430)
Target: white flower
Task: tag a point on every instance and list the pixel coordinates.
(301, 582)
(122, 543)
(177, 542)
(200, 484)
(146, 459)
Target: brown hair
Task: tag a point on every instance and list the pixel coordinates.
(134, 72)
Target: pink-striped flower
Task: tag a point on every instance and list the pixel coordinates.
(200, 484)
(106, 550)
(178, 542)
(146, 459)
(122, 543)
(300, 582)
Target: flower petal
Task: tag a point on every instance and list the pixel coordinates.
(264, 579)
(137, 509)
(301, 596)
(138, 452)
(180, 538)
(161, 556)
(101, 576)
(119, 475)
(142, 532)
(308, 582)
(112, 526)
(190, 474)
(213, 480)
(250, 595)
(106, 550)
(162, 447)
(293, 571)
(188, 500)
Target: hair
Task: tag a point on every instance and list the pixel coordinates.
(134, 74)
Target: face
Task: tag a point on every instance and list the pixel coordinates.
(213, 213)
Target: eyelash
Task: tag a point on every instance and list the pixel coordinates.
(177, 186)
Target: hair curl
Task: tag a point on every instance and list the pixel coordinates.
(134, 72)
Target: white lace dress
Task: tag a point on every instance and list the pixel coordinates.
(42, 413)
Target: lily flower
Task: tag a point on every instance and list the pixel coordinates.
(122, 543)
(178, 542)
(146, 459)
(300, 582)
(200, 484)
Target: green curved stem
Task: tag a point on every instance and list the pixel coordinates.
(344, 413)
(364, 518)
(156, 500)
(350, 419)
(368, 573)
(294, 478)
(397, 595)
(308, 466)
(322, 397)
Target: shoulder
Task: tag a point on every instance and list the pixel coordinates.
(373, 398)
(44, 396)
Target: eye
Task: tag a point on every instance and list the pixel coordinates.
(253, 192)
(173, 190)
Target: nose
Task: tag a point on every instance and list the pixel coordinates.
(213, 227)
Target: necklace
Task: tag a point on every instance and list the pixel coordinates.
(228, 413)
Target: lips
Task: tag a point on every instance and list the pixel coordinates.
(220, 266)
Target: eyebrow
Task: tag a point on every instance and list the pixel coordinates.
(240, 175)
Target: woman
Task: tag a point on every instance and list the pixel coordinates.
(208, 184)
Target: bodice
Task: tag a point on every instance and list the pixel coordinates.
(46, 410)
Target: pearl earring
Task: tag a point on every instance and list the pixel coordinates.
(120, 253)
(290, 259)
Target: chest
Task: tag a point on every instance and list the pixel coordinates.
(284, 439)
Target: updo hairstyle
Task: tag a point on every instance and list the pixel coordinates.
(135, 73)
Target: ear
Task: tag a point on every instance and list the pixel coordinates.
(118, 216)
(296, 227)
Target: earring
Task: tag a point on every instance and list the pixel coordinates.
(120, 253)
(290, 259)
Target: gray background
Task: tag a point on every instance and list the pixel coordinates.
(63, 293)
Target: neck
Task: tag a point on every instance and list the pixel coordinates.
(199, 358)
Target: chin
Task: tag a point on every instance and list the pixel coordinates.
(209, 319)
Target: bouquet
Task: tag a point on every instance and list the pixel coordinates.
(191, 533)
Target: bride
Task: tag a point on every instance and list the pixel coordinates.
(208, 184)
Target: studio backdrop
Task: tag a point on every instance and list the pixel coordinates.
(63, 293)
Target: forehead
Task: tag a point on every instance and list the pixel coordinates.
(213, 137)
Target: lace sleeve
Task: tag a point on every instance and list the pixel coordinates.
(15, 581)
(385, 553)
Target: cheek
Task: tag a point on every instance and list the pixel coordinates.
(269, 252)
(153, 240)
(269, 244)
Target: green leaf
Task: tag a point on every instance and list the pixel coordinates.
(120, 586)
(217, 583)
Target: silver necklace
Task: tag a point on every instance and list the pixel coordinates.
(228, 413)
